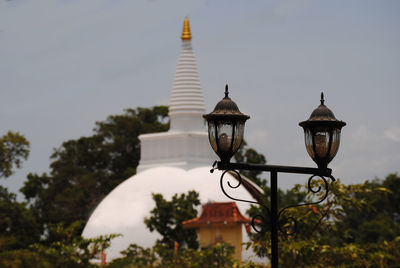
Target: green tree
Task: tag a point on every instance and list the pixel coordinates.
(85, 170)
(69, 251)
(13, 149)
(167, 217)
(135, 256)
(18, 227)
(72, 250)
(160, 255)
(372, 214)
(357, 226)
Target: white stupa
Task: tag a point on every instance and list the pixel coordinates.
(172, 162)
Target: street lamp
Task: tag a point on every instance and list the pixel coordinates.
(322, 134)
(322, 138)
(226, 127)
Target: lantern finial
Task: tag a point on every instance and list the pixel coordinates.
(322, 98)
(226, 91)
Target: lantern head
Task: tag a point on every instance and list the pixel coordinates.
(322, 134)
(226, 127)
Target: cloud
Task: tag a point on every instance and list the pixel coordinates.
(393, 134)
(365, 154)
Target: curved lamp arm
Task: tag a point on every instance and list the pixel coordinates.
(311, 189)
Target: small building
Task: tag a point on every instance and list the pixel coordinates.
(220, 222)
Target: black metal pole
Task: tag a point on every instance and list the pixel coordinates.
(274, 219)
(274, 170)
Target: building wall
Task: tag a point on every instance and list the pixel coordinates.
(216, 233)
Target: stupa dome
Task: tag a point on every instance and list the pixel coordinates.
(124, 209)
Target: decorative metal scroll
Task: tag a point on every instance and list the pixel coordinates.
(257, 219)
(314, 191)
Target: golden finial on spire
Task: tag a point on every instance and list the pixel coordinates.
(186, 35)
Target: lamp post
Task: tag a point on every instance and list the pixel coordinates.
(322, 139)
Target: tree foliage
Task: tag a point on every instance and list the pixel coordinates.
(357, 226)
(70, 251)
(13, 149)
(161, 255)
(167, 217)
(85, 170)
(18, 227)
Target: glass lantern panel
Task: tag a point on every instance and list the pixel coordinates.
(309, 142)
(212, 135)
(321, 140)
(335, 143)
(239, 131)
(224, 130)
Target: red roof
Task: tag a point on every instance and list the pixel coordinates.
(221, 212)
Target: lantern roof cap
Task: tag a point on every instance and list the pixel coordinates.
(322, 114)
(226, 108)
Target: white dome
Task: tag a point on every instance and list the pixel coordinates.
(124, 209)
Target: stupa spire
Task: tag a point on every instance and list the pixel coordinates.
(187, 101)
(186, 35)
(186, 144)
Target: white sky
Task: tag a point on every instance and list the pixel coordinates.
(66, 64)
